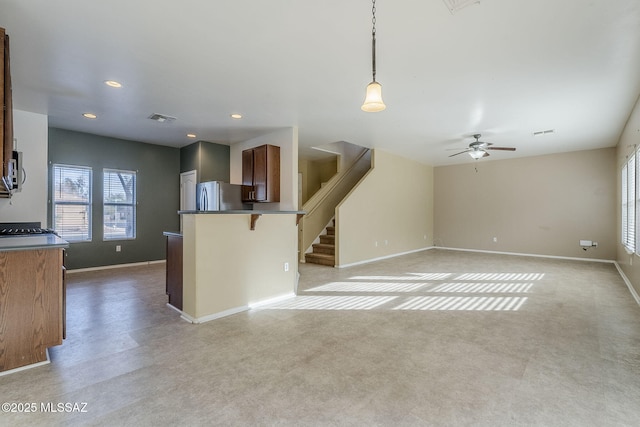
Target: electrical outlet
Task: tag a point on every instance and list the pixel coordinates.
(495, 240)
(118, 248)
(386, 242)
(376, 244)
(286, 266)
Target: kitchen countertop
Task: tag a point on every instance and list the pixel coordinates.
(171, 233)
(26, 243)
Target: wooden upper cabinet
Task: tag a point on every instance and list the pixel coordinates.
(261, 174)
(6, 118)
(247, 175)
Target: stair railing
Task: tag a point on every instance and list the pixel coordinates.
(320, 208)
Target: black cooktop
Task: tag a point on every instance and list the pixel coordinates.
(12, 229)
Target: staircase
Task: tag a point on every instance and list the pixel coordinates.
(324, 253)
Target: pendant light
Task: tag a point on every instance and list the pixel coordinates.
(373, 100)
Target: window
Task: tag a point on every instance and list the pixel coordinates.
(629, 201)
(71, 195)
(119, 204)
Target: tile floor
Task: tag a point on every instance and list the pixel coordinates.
(437, 338)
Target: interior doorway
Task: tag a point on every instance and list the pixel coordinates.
(188, 182)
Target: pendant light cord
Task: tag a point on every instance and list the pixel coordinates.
(373, 40)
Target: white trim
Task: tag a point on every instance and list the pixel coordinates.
(271, 300)
(367, 261)
(23, 368)
(108, 267)
(214, 316)
(174, 308)
(236, 310)
(628, 282)
(609, 261)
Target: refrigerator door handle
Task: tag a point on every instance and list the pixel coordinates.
(205, 199)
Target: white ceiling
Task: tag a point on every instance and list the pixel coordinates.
(502, 68)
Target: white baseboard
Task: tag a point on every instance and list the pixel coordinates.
(214, 316)
(271, 300)
(174, 308)
(23, 368)
(367, 261)
(236, 310)
(108, 267)
(609, 261)
(627, 282)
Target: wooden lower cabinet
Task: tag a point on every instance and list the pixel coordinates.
(31, 305)
(174, 270)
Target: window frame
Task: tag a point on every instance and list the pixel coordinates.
(133, 204)
(88, 203)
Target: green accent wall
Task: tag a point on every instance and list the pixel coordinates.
(211, 160)
(158, 194)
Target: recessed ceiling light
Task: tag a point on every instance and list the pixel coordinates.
(90, 116)
(113, 83)
(236, 116)
(191, 135)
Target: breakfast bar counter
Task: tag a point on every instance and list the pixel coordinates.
(235, 260)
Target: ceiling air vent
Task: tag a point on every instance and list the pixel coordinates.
(161, 118)
(456, 5)
(543, 132)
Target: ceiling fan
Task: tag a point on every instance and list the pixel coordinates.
(478, 149)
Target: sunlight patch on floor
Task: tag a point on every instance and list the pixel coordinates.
(475, 287)
(408, 276)
(420, 292)
(463, 303)
(500, 276)
(368, 287)
(332, 303)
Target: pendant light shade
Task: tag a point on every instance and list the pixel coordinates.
(373, 100)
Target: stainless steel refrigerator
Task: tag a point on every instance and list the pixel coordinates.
(219, 196)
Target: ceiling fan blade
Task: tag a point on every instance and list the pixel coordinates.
(502, 148)
(485, 154)
(465, 151)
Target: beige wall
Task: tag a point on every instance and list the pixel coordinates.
(535, 205)
(31, 132)
(629, 263)
(389, 212)
(228, 267)
(314, 173)
(287, 140)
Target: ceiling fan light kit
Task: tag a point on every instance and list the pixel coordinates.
(478, 149)
(373, 99)
(478, 154)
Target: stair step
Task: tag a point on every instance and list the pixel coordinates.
(322, 259)
(328, 239)
(324, 248)
(331, 231)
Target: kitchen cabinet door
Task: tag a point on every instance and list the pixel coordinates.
(261, 174)
(174, 270)
(247, 175)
